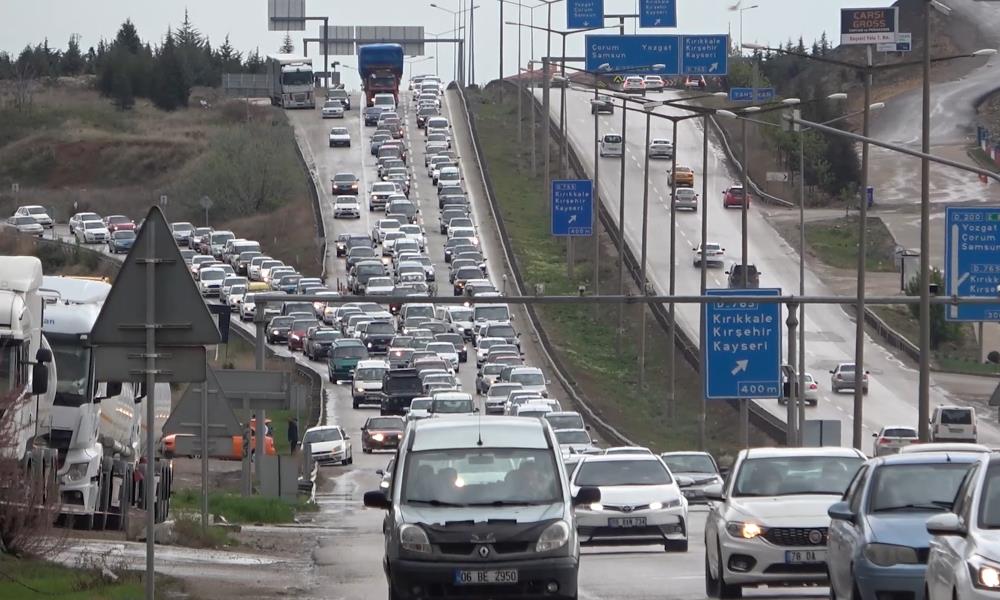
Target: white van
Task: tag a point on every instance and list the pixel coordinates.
(611, 145)
(387, 102)
(954, 424)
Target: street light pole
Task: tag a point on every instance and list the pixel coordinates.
(702, 324)
(621, 233)
(596, 284)
(672, 343)
(742, 10)
(642, 260)
(859, 309)
(924, 396)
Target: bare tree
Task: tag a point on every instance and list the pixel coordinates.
(23, 86)
(29, 494)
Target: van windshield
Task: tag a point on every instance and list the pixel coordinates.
(485, 476)
(613, 139)
(956, 416)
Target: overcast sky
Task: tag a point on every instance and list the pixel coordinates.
(245, 21)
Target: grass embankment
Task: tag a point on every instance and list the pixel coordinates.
(73, 147)
(958, 356)
(29, 579)
(56, 260)
(835, 242)
(585, 336)
(238, 509)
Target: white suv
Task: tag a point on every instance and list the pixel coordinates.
(768, 524)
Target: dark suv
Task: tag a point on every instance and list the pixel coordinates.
(399, 387)
(602, 105)
(735, 273)
(377, 336)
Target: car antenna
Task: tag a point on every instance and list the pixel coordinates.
(479, 432)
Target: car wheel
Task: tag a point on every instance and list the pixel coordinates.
(711, 583)
(366, 450)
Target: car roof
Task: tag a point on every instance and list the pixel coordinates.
(620, 457)
(804, 452)
(476, 432)
(324, 427)
(944, 447)
(920, 458)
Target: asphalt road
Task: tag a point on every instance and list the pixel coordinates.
(829, 332)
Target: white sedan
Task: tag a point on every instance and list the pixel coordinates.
(340, 136)
(661, 148)
(346, 206)
(25, 224)
(641, 503)
(333, 109)
(329, 444)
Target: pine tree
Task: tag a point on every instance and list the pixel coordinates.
(72, 62)
(287, 46)
(90, 62)
(122, 94)
(254, 63)
(228, 59)
(824, 44)
(171, 87)
(188, 37)
(128, 37)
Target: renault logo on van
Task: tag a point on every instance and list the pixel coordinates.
(484, 551)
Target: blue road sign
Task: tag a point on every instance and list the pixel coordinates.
(870, 195)
(572, 207)
(761, 95)
(741, 94)
(704, 54)
(971, 268)
(742, 354)
(581, 14)
(625, 52)
(657, 13)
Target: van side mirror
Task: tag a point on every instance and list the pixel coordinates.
(841, 511)
(587, 495)
(39, 378)
(377, 499)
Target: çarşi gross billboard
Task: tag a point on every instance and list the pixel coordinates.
(868, 25)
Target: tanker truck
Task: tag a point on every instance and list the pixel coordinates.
(97, 427)
(381, 69)
(27, 374)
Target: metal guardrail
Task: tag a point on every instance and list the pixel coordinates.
(689, 349)
(721, 134)
(560, 369)
(315, 191)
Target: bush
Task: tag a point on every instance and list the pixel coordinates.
(942, 330)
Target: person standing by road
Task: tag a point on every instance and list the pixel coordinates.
(293, 434)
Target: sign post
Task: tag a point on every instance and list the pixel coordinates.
(152, 328)
(657, 13)
(971, 247)
(581, 14)
(859, 26)
(680, 54)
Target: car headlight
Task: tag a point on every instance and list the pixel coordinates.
(378, 437)
(668, 504)
(747, 531)
(369, 344)
(887, 555)
(596, 506)
(77, 471)
(275, 332)
(554, 536)
(985, 573)
(414, 539)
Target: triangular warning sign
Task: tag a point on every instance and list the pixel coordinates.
(186, 416)
(180, 314)
(995, 397)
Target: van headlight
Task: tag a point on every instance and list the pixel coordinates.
(413, 539)
(77, 471)
(554, 536)
(887, 555)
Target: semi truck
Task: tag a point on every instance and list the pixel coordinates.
(292, 81)
(97, 427)
(381, 69)
(27, 373)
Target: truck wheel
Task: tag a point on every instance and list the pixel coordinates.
(83, 522)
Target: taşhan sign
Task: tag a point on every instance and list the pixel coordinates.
(868, 25)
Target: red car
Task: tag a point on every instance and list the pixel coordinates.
(381, 433)
(119, 223)
(735, 196)
(297, 334)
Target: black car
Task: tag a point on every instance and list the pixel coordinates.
(381, 433)
(377, 336)
(371, 115)
(277, 330)
(399, 387)
(450, 247)
(345, 184)
(319, 343)
(735, 274)
(602, 105)
(346, 241)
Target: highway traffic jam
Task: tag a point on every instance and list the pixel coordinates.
(489, 479)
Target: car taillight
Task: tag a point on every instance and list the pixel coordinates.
(884, 441)
(812, 386)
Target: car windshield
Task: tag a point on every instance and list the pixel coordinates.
(528, 378)
(339, 131)
(899, 432)
(350, 352)
(347, 200)
(322, 435)
(24, 220)
(36, 210)
(565, 421)
(456, 405)
(93, 225)
(380, 328)
(422, 404)
(482, 476)
(504, 331)
(385, 423)
(927, 487)
(793, 475)
(613, 139)
(344, 178)
(573, 437)
(622, 472)
(118, 219)
(326, 336)
(689, 463)
(445, 347)
(370, 373)
(212, 275)
(989, 515)
(956, 416)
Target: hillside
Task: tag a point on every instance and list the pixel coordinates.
(72, 150)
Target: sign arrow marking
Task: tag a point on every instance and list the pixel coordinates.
(713, 68)
(572, 219)
(741, 365)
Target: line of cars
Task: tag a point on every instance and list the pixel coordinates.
(918, 524)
